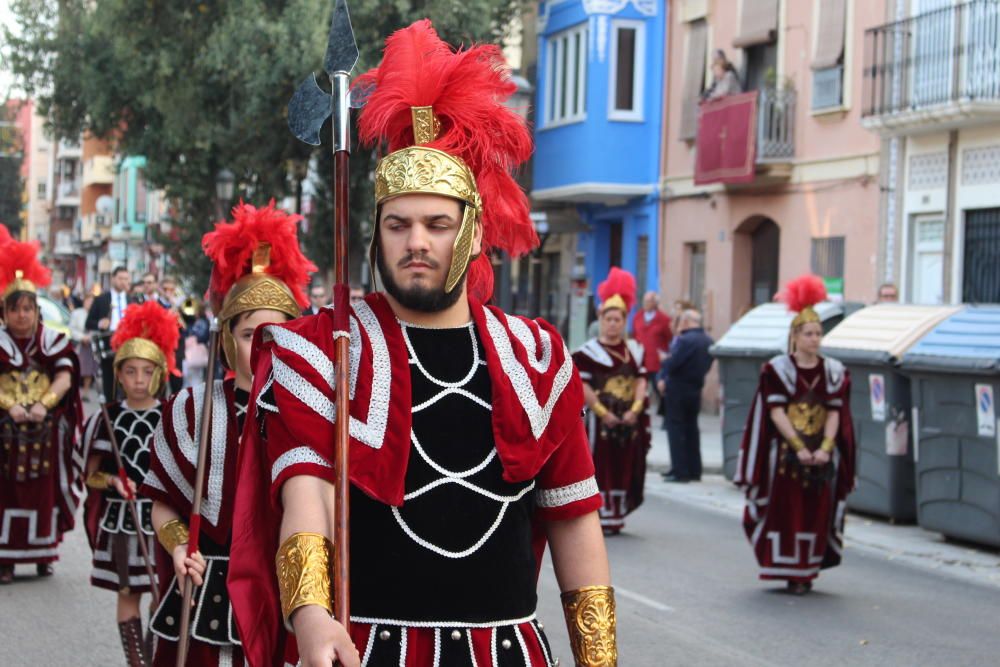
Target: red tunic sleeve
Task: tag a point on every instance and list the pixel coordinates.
(566, 484)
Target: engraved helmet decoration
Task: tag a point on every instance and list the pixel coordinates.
(442, 114)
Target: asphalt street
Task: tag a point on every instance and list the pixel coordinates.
(687, 595)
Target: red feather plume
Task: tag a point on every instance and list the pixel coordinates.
(231, 248)
(153, 322)
(22, 256)
(467, 89)
(620, 282)
(804, 291)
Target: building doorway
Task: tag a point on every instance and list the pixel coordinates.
(927, 272)
(614, 243)
(764, 242)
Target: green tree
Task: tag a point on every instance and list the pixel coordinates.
(11, 158)
(198, 87)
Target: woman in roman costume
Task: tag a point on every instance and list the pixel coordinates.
(614, 387)
(260, 269)
(40, 412)
(797, 457)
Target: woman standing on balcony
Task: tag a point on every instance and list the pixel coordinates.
(724, 78)
(797, 457)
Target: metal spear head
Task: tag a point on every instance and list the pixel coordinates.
(310, 106)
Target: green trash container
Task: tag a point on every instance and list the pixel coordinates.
(954, 374)
(750, 341)
(870, 343)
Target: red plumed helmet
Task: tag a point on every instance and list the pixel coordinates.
(156, 324)
(803, 292)
(619, 283)
(467, 90)
(232, 245)
(17, 257)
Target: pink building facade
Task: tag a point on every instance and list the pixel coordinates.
(814, 202)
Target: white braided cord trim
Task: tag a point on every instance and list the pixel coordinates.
(565, 495)
(295, 457)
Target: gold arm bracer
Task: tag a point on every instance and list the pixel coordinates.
(637, 406)
(797, 444)
(590, 620)
(49, 400)
(599, 410)
(828, 445)
(303, 568)
(172, 534)
(98, 480)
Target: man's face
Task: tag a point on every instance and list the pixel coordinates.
(357, 294)
(120, 281)
(416, 237)
(169, 288)
(888, 294)
(149, 284)
(649, 302)
(317, 297)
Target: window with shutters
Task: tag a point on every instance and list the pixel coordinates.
(828, 55)
(980, 276)
(694, 77)
(627, 71)
(566, 72)
(696, 274)
(828, 257)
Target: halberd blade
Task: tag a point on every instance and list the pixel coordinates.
(341, 48)
(308, 109)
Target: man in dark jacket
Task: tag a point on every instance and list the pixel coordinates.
(681, 377)
(102, 320)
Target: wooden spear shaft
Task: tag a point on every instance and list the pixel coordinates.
(183, 638)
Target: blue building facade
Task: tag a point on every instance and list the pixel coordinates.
(598, 125)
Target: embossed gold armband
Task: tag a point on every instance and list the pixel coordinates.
(637, 406)
(98, 480)
(590, 619)
(828, 445)
(599, 410)
(797, 444)
(303, 568)
(49, 400)
(173, 534)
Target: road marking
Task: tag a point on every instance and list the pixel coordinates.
(631, 595)
(641, 599)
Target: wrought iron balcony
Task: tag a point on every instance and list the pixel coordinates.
(775, 125)
(940, 68)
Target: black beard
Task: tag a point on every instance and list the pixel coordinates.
(420, 299)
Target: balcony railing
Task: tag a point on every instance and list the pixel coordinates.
(775, 125)
(946, 56)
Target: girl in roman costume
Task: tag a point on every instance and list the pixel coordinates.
(40, 412)
(145, 343)
(614, 387)
(797, 457)
(260, 269)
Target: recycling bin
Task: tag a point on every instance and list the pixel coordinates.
(870, 343)
(954, 374)
(750, 341)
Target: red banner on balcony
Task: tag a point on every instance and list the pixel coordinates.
(727, 140)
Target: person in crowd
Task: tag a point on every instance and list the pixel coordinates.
(168, 292)
(680, 381)
(196, 336)
(725, 80)
(614, 388)
(457, 471)
(40, 413)
(317, 299)
(151, 291)
(144, 346)
(82, 341)
(102, 320)
(261, 272)
(887, 293)
(797, 458)
(357, 294)
(651, 328)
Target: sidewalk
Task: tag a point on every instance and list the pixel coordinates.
(906, 544)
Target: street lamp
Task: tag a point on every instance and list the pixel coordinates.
(225, 183)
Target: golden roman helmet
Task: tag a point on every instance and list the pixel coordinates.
(255, 291)
(20, 270)
(422, 170)
(805, 316)
(143, 348)
(19, 284)
(149, 332)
